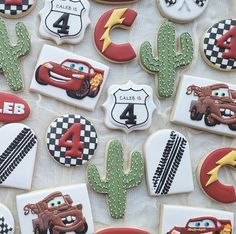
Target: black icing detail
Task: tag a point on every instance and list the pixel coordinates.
(4, 228)
(15, 152)
(170, 2)
(200, 3)
(169, 164)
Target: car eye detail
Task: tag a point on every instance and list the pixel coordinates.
(72, 65)
(197, 224)
(81, 68)
(200, 3)
(208, 223)
(170, 2)
(215, 93)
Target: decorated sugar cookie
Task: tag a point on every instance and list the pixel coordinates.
(182, 11)
(56, 210)
(64, 21)
(168, 166)
(71, 140)
(116, 1)
(115, 18)
(219, 45)
(208, 172)
(6, 220)
(17, 156)
(16, 8)
(122, 231)
(13, 108)
(70, 78)
(117, 181)
(181, 219)
(129, 107)
(164, 66)
(206, 104)
(10, 54)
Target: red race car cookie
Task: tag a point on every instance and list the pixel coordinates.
(122, 18)
(208, 175)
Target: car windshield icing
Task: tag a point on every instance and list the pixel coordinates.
(57, 201)
(222, 92)
(76, 66)
(202, 224)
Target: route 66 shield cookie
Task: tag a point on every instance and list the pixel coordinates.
(64, 20)
(129, 107)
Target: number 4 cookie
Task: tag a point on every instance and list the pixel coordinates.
(64, 20)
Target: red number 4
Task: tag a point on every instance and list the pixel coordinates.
(75, 145)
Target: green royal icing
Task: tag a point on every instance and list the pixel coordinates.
(117, 181)
(165, 66)
(10, 54)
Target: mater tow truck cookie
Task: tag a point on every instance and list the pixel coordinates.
(71, 140)
(208, 172)
(6, 220)
(206, 104)
(168, 163)
(64, 21)
(58, 210)
(129, 107)
(219, 45)
(193, 220)
(182, 11)
(69, 78)
(17, 156)
(16, 8)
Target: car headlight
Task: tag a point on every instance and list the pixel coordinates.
(48, 65)
(78, 76)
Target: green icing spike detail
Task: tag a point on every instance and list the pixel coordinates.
(166, 65)
(10, 54)
(117, 181)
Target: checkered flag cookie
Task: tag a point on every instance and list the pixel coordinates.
(15, 9)
(88, 136)
(4, 228)
(200, 3)
(212, 52)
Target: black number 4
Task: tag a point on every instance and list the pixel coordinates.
(128, 114)
(62, 23)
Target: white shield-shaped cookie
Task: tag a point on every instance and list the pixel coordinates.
(17, 156)
(168, 164)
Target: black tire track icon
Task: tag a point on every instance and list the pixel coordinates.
(4, 228)
(15, 152)
(169, 163)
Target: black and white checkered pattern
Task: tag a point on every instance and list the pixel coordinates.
(88, 136)
(170, 2)
(200, 3)
(14, 9)
(4, 228)
(212, 52)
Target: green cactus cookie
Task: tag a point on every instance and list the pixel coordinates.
(166, 65)
(117, 181)
(10, 54)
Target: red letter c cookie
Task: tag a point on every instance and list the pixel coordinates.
(122, 18)
(208, 175)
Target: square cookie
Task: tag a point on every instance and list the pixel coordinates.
(69, 78)
(57, 210)
(181, 219)
(206, 105)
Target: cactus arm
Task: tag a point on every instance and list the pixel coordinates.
(95, 181)
(135, 175)
(186, 55)
(23, 40)
(146, 58)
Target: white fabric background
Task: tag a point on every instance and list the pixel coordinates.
(142, 210)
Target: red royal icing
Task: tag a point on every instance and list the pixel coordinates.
(216, 190)
(12, 108)
(122, 231)
(120, 53)
(231, 47)
(14, 2)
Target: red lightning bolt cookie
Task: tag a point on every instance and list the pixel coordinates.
(122, 18)
(208, 175)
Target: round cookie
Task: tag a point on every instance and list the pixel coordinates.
(122, 231)
(115, 18)
(71, 140)
(208, 171)
(182, 11)
(16, 8)
(218, 45)
(116, 2)
(6, 220)
(64, 21)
